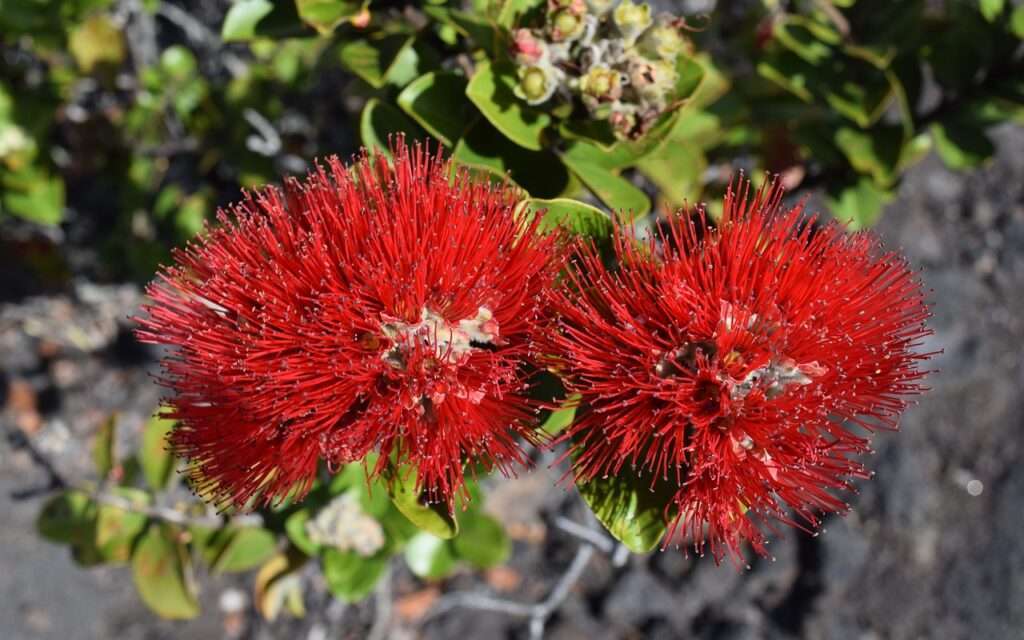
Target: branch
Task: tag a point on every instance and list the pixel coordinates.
(538, 613)
(174, 516)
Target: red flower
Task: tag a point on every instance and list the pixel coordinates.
(736, 363)
(378, 307)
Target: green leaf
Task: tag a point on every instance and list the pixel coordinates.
(874, 152)
(163, 575)
(513, 11)
(576, 217)
(326, 15)
(689, 75)
(991, 8)
(412, 62)
(96, 41)
(244, 549)
(431, 517)
(626, 504)
(350, 576)
(437, 102)
(117, 529)
(859, 204)
(429, 556)
(491, 90)
(1017, 22)
(68, 517)
(33, 194)
(618, 193)
(807, 38)
(372, 58)
(295, 528)
(560, 419)
(103, 446)
(474, 26)
(481, 541)
(677, 171)
(541, 173)
(242, 18)
(961, 144)
(154, 457)
(380, 121)
(597, 132)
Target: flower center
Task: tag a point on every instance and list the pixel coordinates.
(437, 340)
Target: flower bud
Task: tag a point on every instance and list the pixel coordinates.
(601, 83)
(565, 25)
(527, 49)
(632, 19)
(601, 7)
(536, 83)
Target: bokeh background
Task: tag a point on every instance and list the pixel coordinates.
(124, 124)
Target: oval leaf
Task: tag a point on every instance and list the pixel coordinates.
(429, 556)
(163, 575)
(430, 517)
(103, 446)
(574, 216)
(482, 541)
(629, 508)
(350, 576)
(437, 102)
(246, 548)
(67, 518)
(492, 90)
(117, 529)
(379, 121)
(154, 457)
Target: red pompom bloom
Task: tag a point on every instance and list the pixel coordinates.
(733, 363)
(382, 307)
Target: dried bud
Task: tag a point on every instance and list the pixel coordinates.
(632, 19)
(527, 49)
(664, 40)
(537, 83)
(654, 80)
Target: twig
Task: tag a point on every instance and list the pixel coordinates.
(586, 534)
(174, 516)
(266, 141)
(199, 34)
(543, 611)
(539, 613)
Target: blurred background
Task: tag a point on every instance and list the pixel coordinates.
(125, 124)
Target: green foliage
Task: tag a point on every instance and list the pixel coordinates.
(633, 507)
(154, 457)
(491, 90)
(430, 516)
(163, 573)
(103, 453)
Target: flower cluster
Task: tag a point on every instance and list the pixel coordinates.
(737, 364)
(387, 308)
(382, 307)
(619, 61)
